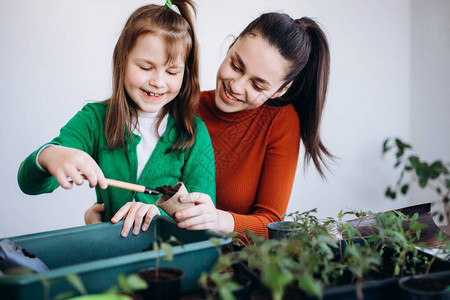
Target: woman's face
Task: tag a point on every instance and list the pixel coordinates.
(252, 72)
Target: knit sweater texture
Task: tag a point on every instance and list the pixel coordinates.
(256, 154)
(85, 131)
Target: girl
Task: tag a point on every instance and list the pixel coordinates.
(146, 132)
(270, 93)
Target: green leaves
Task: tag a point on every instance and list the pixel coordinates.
(131, 283)
(307, 283)
(434, 176)
(76, 282)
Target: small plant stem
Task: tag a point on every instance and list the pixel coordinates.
(427, 272)
(359, 288)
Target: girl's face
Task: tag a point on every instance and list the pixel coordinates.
(149, 80)
(252, 72)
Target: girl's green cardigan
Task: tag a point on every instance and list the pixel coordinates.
(85, 131)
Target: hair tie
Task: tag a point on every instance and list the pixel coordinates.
(169, 4)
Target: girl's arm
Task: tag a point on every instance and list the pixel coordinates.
(79, 139)
(64, 163)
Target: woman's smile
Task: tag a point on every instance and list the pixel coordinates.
(227, 96)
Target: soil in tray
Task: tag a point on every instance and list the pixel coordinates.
(427, 284)
(163, 276)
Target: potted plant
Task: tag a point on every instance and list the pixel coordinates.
(314, 263)
(434, 175)
(219, 282)
(162, 282)
(425, 287)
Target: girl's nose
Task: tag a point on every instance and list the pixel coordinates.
(157, 80)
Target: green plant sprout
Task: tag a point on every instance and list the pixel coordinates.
(126, 284)
(167, 247)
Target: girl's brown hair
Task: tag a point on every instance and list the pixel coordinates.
(177, 31)
(304, 45)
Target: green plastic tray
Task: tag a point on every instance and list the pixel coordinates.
(98, 254)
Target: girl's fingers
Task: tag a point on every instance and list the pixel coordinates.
(128, 222)
(139, 216)
(61, 177)
(153, 211)
(91, 175)
(122, 212)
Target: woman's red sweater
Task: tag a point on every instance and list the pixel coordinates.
(256, 153)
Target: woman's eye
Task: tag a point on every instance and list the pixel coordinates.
(257, 87)
(233, 65)
(144, 68)
(172, 73)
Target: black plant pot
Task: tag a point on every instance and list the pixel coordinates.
(282, 230)
(167, 286)
(421, 288)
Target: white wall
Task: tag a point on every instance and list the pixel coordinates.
(56, 54)
(430, 88)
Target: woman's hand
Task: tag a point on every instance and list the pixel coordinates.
(135, 212)
(204, 215)
(93, 214)
(64, 163)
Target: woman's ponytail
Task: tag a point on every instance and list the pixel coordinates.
(304, 45)
(308, 92)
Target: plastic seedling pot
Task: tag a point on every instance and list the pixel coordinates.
(282, 230)
(98, 254)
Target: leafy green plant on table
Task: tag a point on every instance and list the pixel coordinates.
(314, 260)
(443, 249)
(218, 283)
(424, 286)
(434, 175)
(357, 255)
(303, 261)
(126, 285)
(399, 233)
(165, 246)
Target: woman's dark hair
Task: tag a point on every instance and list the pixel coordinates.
(304, 45)
(177, 31)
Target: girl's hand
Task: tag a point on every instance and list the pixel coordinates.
(93, 214)
(204, 215)
(135, 212)
(63, 163)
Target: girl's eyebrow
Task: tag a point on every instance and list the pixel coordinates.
(173, 66)
(242, 66)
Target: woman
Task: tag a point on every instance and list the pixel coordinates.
(270, 92)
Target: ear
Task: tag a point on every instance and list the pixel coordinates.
(282, 91)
